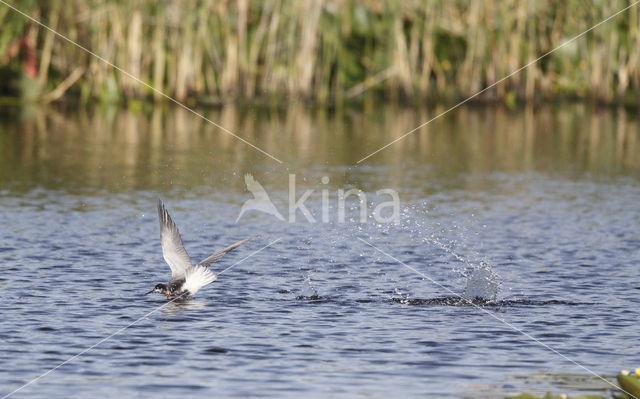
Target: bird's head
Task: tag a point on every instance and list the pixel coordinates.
(159, 288)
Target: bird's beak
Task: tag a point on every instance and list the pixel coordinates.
(149, 292)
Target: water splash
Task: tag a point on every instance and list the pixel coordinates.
(482, 283)
(434, 241)
(402, 297)
(462, 302)
(308, 291)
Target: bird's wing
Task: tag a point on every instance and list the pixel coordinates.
(197, 277)
(172, 249)
(220, 254)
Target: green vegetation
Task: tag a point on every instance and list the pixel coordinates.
(327, 51)
(549, 396)
(629, 382)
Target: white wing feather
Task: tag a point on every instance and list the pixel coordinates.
(197, 277)
(172, 249)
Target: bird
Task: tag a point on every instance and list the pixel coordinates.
(260, 201)
(186, 278)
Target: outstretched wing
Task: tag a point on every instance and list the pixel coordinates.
(220, 254)
(172, 249)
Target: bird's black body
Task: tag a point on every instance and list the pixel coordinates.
(173, 288)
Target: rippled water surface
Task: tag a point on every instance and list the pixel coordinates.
(537, 211)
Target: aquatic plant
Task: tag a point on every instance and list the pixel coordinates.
(550, 396)
(630, 383)
(627, 381)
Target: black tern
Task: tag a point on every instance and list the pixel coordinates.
(186, 278)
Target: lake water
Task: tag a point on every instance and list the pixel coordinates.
(537, 211)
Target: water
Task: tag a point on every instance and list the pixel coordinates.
(532, 214)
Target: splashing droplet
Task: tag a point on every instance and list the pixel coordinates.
(308, 291)
(403, 298)
(481, 283)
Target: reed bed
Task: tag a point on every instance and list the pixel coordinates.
(327, 51)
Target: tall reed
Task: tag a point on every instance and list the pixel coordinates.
(333, 50)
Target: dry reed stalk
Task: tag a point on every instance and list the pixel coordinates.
(254, 49)
(159, 54)
(305, 57)
(321, 49)
(47, 46)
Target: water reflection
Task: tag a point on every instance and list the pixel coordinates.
(179, 307)
(118, 150)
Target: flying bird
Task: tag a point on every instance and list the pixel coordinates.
(260, 201)
(186, 278)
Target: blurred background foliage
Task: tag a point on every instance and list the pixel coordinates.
(326, 51)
